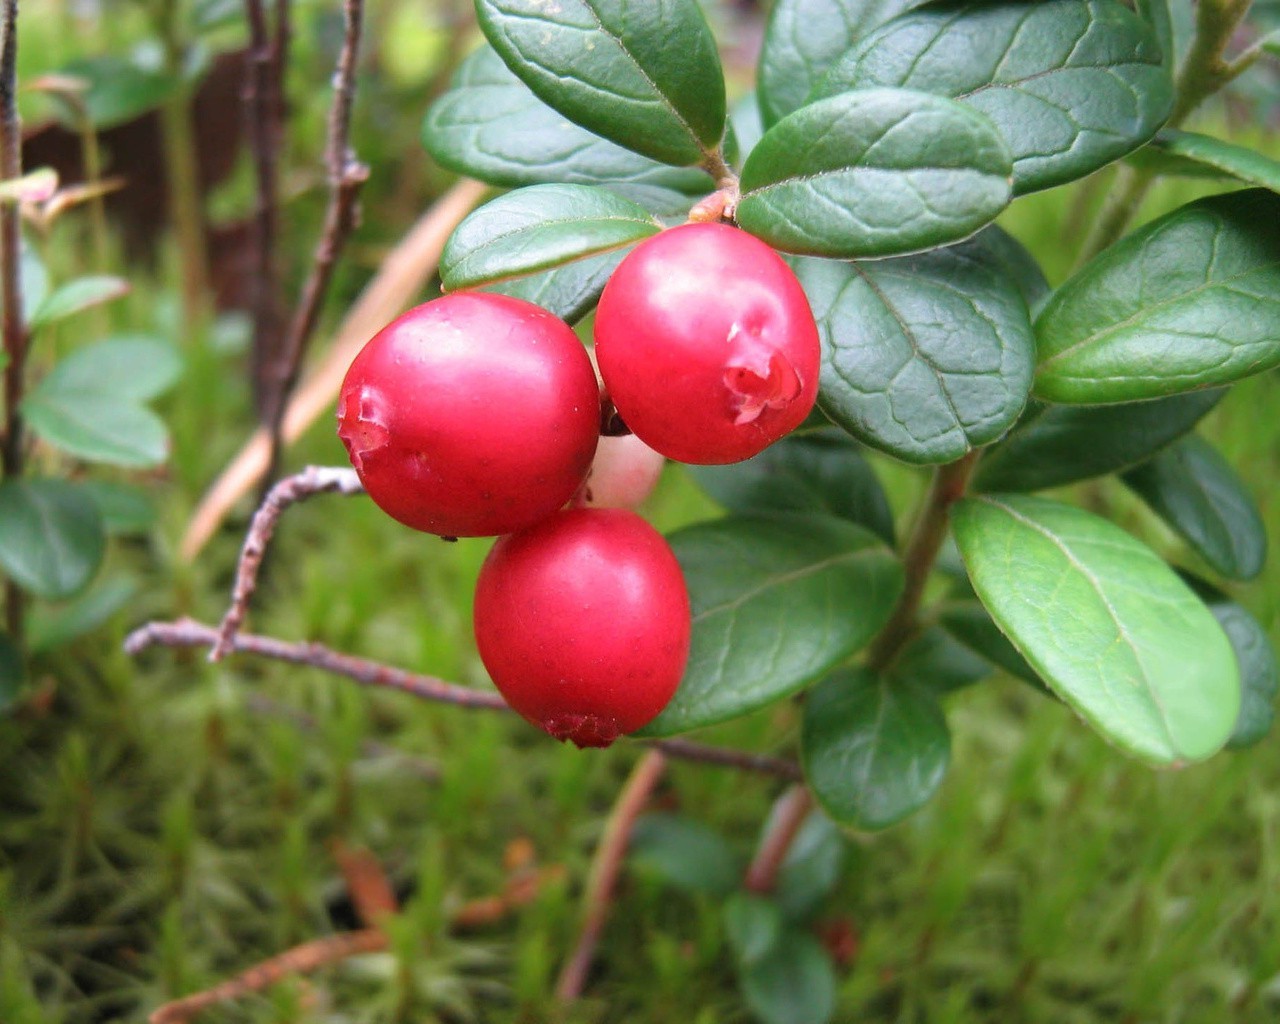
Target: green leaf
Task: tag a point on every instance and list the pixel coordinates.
(1195, 490)
(1188, 154)
(51, 539)
(127, 366)
(53, 627)
(777, 602)
(1111, 628)
(875, 173)
(1156, 14)
(969, 624)
(796, 985)
(802, 40)
(1070, 84)
(748, 129)
(1054, 445)
(490, 126)
(1018, 263)
(936, 661)
(570, 291)
(925, 357)
(812, 867)
(120, 89)
(96, 427)
(874, 750)
(823, 471)
(1189, 301)
(12, 672)
(76, 296)
(753, 925)
(684, 854)
(126, 510)
(644, 75)
(537, 228)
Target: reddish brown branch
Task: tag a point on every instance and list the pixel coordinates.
(346, 176)
(311, 481)
(762, 874)
(606, 865)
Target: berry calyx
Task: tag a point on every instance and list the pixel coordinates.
(471, 416)
(583, 623)
(707, 344)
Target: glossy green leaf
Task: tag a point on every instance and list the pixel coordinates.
(1195, 490)
(811, 869)
(126, 509)
(76, 296)
(489, 125)
(1111, 628)
(1189, 301)
(777, 602)
(1156, 14)
(644, 75)
(936, 661)
(1189, 154)
(1054, 445)
(53, 626)
(11, 672)
(684, 854)
(794, 985)
(748, 128)
(51, 538)
(822, 471)
(1070, 84)
(753, 926)
(971, 626)
(802, 40)
(925, 357)
(1017, 262)
(570, 291)
(874, 750)
(131, 366)
(875, 173)
(537, 228)
(120, 89)
(96, 427)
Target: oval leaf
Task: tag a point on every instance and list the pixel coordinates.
(1054, 445)
(646, 76)
(1189, 301)
(1070, 84)
(76, 296)
(133, 366)
(1201, 156)
(970, 625)
(683, 853)
(489, 125)
(97, 428)
(936, 661)
(753, 925)
(875, 173)
(52, 626)
(120, 89)
(1195, 490)
(796, 984)
(1111, 628)
(804, 37)
(812, 867)
(777, 601)
(924, 357)
(570, 291)
(874, 750)
(819, 472)
(540, 227)
(51, 538)
(126, 509)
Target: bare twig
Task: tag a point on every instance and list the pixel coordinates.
(346, 176)
(606, 865)
(403, 274)
(189, 633)
(762, 874)
(311, 481)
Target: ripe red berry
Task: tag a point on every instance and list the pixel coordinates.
(707, 345)
(583, 623)
(471, 416)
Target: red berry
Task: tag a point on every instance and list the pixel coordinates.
(471, 416)
(625, 472)
(583, 623)
(707, 345)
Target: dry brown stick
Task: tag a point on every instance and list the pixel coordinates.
(189, 633)
(308, 957)
(346, 176)
(311, 481)
(402, 276)
(762, 873)
(606, 865)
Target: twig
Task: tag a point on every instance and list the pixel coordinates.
(606, 865)
(762, 874)
(308, 957)
(311, 481)
(402, 276)
(14, 327)
(346, 176)
(189, 633)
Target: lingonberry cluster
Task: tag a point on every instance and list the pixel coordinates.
(479, 415)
